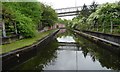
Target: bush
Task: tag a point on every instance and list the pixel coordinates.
(25, 25)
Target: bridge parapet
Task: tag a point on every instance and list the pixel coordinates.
(70, 11)
(62, 10)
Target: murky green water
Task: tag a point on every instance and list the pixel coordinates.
(82, 56)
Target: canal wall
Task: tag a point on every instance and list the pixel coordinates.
(113, 38)
(101, 41)
(19, 56)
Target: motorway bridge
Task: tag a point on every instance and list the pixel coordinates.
(70, 11)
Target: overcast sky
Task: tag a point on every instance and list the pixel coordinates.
(56, 4)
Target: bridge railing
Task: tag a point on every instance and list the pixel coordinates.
(63, 10)
(70, 11)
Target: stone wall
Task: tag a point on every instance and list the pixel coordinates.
(19, 56)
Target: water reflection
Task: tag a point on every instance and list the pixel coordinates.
(43, 58)
(65, 39)
(73, 58)
(85, 56)
(105, 57)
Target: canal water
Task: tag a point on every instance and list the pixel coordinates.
(70, 51)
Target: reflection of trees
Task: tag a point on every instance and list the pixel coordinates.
(64, 34)
(105, 57)
(45, 56)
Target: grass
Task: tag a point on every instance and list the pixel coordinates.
(24, 42)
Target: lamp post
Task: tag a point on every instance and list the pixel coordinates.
(111, 30)
(75, 3)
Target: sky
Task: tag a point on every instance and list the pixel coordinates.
(56, 4)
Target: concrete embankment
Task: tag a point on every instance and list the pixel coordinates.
(110, 37)
(108, 41)
(18, 56)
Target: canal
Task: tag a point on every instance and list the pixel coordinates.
(69, 51)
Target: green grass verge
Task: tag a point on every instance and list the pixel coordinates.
(24, 42)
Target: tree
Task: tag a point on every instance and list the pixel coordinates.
(85, 11)
(109, 12)
(27, 16)
(49, 16)
(93, 7)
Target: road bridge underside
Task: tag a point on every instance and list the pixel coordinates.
(70, 11)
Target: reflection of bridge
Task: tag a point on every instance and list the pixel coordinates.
(70, 11)
(69, 46)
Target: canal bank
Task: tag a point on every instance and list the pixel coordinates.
(111, 43)
(83, 55)
(18, 56)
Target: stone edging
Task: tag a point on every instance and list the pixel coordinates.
(28, 47)
(104, 43)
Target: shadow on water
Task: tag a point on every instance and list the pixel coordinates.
(77, 53)
(105, 57)
(43, 57)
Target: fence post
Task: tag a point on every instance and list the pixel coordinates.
(3, 29)
(97, 27)
(103, 26)
(94, 26)
(111, 27)
(15, 28)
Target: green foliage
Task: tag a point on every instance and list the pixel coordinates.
(16, 12)
(109, 12)
(98, 18)
(85, 11)
(27, 16)
(66, 22)
(93, 7)
(49, 16)
(32, 10)
(61, 21)
(25, 26)
(80, 21)
(24, 42)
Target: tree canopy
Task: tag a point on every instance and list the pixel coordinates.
(27, 16)
(96, 17)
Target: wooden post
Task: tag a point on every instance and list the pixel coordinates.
(103, 26)
(94, 26)
(111, 27)
(15, 28)
(3, 29)
(97, 27)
